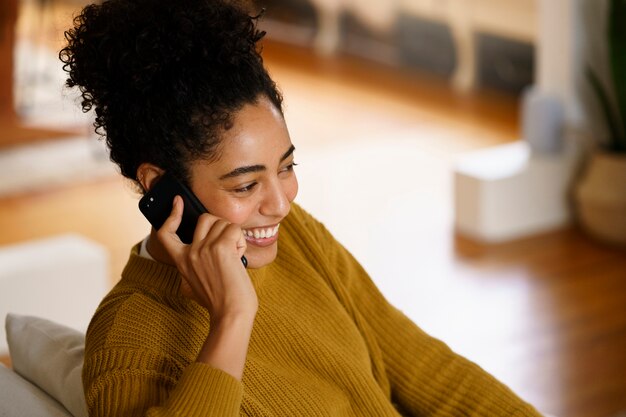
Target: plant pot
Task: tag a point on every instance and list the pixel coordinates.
(600, 198)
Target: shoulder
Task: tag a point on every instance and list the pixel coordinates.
(135, 333)
(303, 224)
(306, 237)
(140, 313)
(298, 215)
(144, 317)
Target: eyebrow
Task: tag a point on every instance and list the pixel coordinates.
(255, 168)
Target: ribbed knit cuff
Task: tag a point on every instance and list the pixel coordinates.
(206, 391)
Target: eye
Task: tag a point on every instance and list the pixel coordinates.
(289, 167)
(245, 189)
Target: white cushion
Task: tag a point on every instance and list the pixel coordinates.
(49, 355)
(20, 398)
(62, 278)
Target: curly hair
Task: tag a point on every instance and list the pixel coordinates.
(165, 77)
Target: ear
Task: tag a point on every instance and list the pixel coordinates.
(148, 174)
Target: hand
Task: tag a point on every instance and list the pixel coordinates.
(211, 265)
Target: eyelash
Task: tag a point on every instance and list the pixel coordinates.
(247, 188)
(291, 166)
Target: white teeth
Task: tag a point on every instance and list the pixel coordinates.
(262, 233)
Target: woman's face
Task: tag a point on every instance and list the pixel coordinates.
(252, 184)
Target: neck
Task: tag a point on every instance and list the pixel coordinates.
(157, 250)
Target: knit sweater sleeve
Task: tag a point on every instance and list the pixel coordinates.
(426, 377)
(129, 387)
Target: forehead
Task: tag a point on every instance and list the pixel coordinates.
(258, 134)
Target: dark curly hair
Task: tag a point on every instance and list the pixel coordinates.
(165, 76)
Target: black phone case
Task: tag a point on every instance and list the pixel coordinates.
(156, 206)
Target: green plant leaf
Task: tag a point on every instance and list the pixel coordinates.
(606, 106)
(617, 54)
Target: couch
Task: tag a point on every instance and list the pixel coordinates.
(45, 379)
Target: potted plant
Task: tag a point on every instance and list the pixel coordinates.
(601, 193)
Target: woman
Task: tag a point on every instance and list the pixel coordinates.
(180, 87)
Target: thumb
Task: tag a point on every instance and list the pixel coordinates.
(167, 233)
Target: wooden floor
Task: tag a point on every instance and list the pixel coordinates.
(547, 315)
(572, 343)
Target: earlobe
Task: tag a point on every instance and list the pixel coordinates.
(148, 174)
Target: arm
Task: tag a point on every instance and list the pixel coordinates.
(426, 377)
(146, 360)
(123, 382)
(215, 278)
(226, 346)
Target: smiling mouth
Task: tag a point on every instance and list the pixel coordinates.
(261, 232)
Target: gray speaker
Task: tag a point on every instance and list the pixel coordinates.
(542, 121)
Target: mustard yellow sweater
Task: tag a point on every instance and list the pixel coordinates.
(325, 343)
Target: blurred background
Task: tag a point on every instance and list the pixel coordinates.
(449, 145)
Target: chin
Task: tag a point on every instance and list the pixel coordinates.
(260, 257)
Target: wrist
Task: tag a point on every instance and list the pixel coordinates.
(240, 320)
(236, 312)
(226, 346)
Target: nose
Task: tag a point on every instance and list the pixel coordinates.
(275, 202)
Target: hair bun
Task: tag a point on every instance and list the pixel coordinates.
(135, 45)
(164, 75)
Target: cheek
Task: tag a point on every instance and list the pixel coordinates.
(291, 189)
(235, 211)
(238, 212)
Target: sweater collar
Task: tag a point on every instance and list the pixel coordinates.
(151, 273)
(166, 278)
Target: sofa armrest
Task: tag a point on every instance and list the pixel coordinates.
(20, 398)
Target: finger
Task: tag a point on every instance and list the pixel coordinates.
(225, 238)
(204, 224)
(167, 233)
(217, 230)
(242, 245)
(233, 233)
(176, 216)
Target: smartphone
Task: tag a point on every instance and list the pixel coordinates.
(156, 206)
